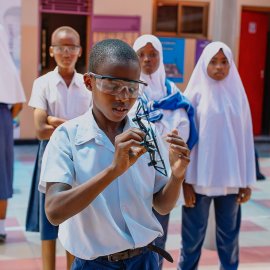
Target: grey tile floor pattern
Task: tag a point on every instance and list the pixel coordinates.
(22, 249)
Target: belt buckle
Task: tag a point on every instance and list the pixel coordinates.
(110, 258)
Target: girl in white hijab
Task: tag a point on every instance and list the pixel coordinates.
(166, 106)
(11, 99)
(222, 166)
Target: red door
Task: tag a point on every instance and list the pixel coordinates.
(252, 59)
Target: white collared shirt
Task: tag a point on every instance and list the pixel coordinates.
(50, 93)
(121, 216)
(11, 89)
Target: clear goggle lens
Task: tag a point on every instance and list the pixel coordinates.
(67, 48)
(116, 87)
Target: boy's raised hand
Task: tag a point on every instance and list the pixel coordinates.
(127, 149)
(178, 154)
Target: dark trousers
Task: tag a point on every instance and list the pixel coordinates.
(161, 241)
(259, 175)
(257, 163)
(148, 260)
(194, 223)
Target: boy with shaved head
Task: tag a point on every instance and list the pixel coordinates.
(95, 172)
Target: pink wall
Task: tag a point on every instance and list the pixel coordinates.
(29, 61)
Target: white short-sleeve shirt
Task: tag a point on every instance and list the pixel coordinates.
(121, 216)
(50, 93)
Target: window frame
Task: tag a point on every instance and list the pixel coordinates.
(180, 5)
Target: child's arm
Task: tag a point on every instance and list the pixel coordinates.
(16, 108)
(166, 198)
(55, 121)
(189, 195)
(63, 202)
(43, 129)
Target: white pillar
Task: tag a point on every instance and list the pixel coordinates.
(224, 28)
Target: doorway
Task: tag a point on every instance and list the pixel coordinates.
(253, 53)
(266, 97)
(51, 21)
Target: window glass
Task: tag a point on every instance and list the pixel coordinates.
(192, 20)
(167, 18)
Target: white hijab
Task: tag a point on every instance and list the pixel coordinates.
(156, 88)
(11, 90)
(224, 155)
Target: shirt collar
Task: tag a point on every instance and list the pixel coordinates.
(88, 128)
(59, 79)
(76, 79)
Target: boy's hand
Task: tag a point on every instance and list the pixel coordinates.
(244, 195)
(55, 121)
(189, 195)
(178, 154)
(127, 149)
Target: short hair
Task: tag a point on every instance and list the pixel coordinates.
(66, 29)
(113, 51)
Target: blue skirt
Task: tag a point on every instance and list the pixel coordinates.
(6, 152)
(36, 220)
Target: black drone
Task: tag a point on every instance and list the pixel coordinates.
(149, 140)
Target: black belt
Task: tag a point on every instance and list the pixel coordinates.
(129, 253)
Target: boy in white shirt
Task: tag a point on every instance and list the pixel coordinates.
(99, 187)
(57, 96)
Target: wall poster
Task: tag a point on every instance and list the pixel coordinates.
(174, 58)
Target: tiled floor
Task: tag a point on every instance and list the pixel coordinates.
(22, 249)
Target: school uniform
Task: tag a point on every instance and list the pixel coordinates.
(221, 162)
(168, 109)
(121, 217)
(50, 93)
(11, 92)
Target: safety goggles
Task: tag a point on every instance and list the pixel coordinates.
(114, 86)
(66, 48)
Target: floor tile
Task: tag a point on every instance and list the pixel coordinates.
(22, 249)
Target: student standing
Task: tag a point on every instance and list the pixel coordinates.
(222, 167)
(11, 100)
(99, 187)
(166, 105)
(57, 96)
